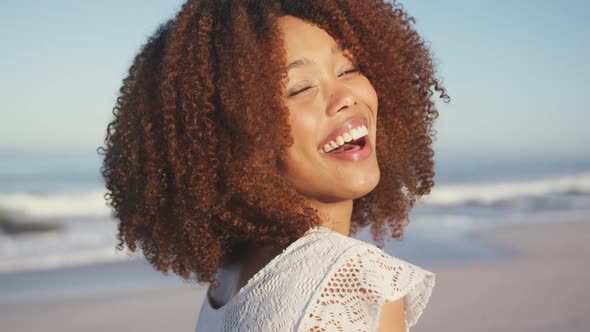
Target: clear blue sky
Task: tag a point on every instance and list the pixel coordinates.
(517, 71)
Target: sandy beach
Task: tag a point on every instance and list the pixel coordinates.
(543, 287)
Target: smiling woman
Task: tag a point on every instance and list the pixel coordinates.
(334, 103)
(252, 139)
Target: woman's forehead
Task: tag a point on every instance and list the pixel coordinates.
(303, 42)
(300, 36)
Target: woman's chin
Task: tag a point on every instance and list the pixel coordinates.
(353, 188)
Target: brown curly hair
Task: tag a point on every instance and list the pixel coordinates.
(183, 176)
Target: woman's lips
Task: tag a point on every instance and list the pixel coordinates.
(355, 154)
(347, 126)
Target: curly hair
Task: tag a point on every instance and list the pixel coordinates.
(182, 163)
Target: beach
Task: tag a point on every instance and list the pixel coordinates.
(172, 308)
(542, 286)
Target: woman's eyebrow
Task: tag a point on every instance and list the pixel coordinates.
(335, 50)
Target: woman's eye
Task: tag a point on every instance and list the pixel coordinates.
(294, 93)
(354, 70)
(350, 71)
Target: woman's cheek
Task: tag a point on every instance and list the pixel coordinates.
(372, 95)
(299, 121)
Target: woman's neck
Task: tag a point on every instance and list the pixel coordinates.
(335, 216)
(250, 258)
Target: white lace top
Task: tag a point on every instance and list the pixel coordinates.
(324, 281)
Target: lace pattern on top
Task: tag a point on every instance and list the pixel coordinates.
(314, 286)
(352, 296)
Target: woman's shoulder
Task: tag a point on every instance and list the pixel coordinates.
(360, 281)
(327, 274)
(322, 238)
(317, 251)
(276, 296)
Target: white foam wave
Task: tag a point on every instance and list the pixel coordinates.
(83, 242)
(53, 261)
(494, 192)
(55, 205)
(92, 204)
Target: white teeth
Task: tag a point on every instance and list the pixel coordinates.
(347, 137)
(354, 134)
(364, 131)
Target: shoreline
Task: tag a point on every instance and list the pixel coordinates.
(80, 281)
(541, 285)
(137, 275)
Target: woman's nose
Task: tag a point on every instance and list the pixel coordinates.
(340, 97)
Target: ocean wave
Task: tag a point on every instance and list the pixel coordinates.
(94, 241)
(91, 203)
(78, 243)
(52, 261)
(56, 205)
(499, 192)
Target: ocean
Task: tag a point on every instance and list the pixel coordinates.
(64, 192)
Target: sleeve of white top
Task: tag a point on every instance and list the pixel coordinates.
(351, 296)
(391, 278)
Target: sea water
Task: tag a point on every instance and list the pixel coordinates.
(472, 192)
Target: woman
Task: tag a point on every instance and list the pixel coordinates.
(251, 139)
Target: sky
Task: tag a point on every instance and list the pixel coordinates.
(517, 71)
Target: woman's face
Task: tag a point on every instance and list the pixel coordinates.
(327, 99)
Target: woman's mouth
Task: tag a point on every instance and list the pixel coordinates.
(344, 134)
(355, 150)
(349, 141)
(353, 145)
